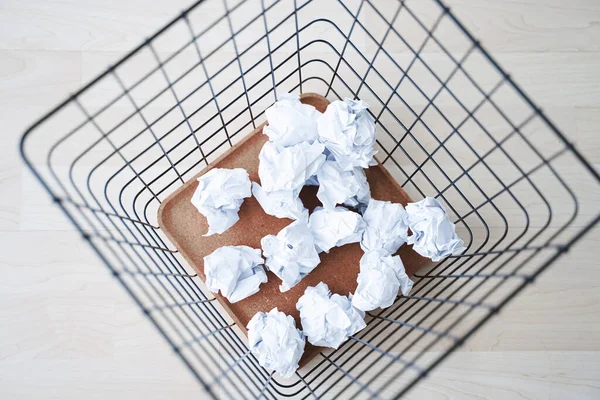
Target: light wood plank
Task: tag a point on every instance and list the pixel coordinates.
(70, 331)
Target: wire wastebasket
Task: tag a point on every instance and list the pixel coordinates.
(451, 124)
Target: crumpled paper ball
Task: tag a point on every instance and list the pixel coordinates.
(281, 203)
(387, 226)
(291, 122)
(433, 234)
(348, 131)
(220, 195)
(328, 319)
(290, 255)
(338, 186)
(381, 276)
(288, 168)
(236, 271)
(275, 341)
(336, 227)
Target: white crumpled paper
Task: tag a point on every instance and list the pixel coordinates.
(291, 122)
(433, 234)
(275, 341)
(280, 203)
(312, 181)
(337, 186)
(328, 319)
(387, 226)
(290, 255)
(220, 195)
(334, 228)
(381, 276)
(288, 168)
(237, 271)
(348, 131)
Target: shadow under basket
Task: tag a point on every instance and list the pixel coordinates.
(450, 124)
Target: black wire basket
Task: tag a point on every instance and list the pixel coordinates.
(451, 124)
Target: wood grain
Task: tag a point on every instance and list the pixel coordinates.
(68, 331)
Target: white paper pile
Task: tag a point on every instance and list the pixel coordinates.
(381, 276)
(237, 271)
(329, 150)
(337, 186)
(289, 159)
(348, 131)
(220, 195)
(290, 255)
(334, 228)
(291, 122)
(433, 234)
(387, 226)
(328, 320)
(275, 341)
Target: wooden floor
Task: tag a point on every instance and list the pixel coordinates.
(68, 331)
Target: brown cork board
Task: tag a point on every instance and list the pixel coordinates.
(339, 268)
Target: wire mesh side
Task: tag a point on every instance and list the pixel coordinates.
(451, 124)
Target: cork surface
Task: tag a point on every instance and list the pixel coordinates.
(184, 226)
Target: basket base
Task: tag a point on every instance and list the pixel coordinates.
(184, 226)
